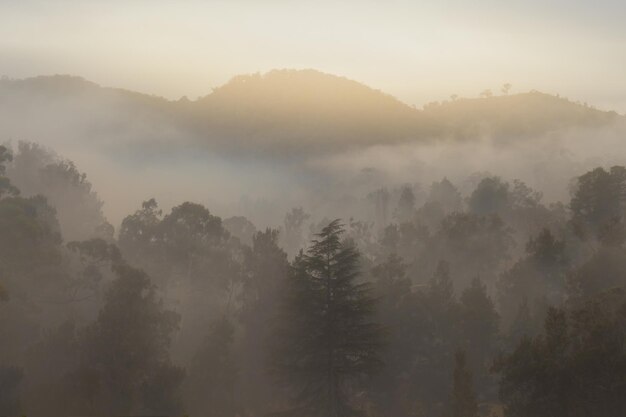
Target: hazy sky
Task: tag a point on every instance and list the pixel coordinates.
(416, 50)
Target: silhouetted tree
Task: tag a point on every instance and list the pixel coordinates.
(327, 338)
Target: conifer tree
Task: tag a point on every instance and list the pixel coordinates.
(326, 338)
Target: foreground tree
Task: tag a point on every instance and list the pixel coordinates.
(327, 339)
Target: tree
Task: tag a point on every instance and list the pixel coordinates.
(213, 374)
(6, 188)
(380, 199)
(537, 279)
(266, 269)
(327, 338)
(463, 397)
(241, 228)
(575, 368)
(447, 195)
(294, 222)
(124, 353)
(490, 196)
(598, 205)
(39, 171)
(139, 231)
(506, 88)
(406, 205)
(479, 324)
(472, 244)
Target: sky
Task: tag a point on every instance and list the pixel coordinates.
(418, 51)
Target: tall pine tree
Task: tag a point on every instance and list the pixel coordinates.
(327, 339)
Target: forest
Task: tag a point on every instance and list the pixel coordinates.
(270, 208)
(465, 298)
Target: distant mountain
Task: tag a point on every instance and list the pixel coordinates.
(286, 110)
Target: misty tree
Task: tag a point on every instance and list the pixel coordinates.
(36, 170)
(265, 271)
(327, 339)
(392, 288)
(479, 331)
(447, 195)
(213, 374)
(537, 278)
(293, 229)
(506, 88)
(464, 402)
(194, 239)
(523, 325)
(576, 367)
(472, 245)
(96, 256)
(598, 205)
(6, 188)
(490, 196)
(125, 366)
(603, 270)
(139, 230)
(380, 198)
(188, 244)
(49, 366)
(241, 228)
(405, 211)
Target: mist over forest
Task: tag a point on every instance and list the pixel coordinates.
(295, 243)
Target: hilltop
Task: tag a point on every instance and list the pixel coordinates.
(289, 109)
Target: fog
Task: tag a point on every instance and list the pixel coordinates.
(297, 243)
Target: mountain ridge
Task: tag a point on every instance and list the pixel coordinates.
(297, 109)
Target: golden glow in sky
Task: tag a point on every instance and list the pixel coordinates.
(417, 51)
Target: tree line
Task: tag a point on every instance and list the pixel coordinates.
(437, 302)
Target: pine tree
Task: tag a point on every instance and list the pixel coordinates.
(463, 397)
(326, 336)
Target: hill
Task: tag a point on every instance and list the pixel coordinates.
(509, 117)
(284, 110)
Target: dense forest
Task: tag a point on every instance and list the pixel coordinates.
(447, 298)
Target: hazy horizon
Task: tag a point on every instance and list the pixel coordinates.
(416, 51)
(372, 209)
